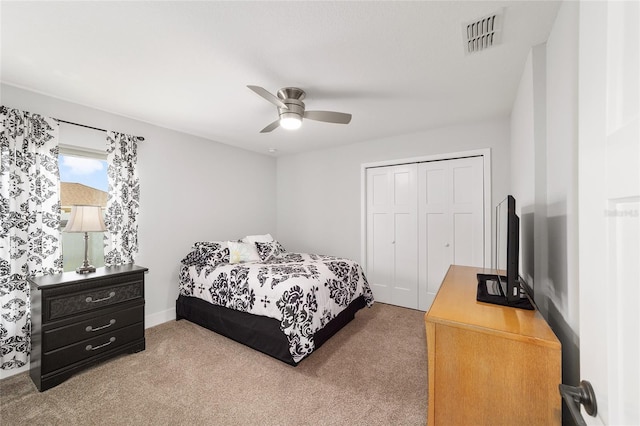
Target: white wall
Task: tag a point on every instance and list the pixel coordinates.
(544, 136)
(319, 193)
(522, 152)
(191, 189)
(562, 157)
(562, 188)
(528, 163)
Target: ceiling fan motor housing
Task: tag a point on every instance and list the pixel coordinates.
(292, 97)
(294, 109)
(291, 93)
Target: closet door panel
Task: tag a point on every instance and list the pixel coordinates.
(462, 175)
(392, 234)
(380, 256)
(436, 258)
(405, 239)
(405, 292)
(402, 188)
(434, 229)
(380, 267)
(434, 186)
(454, 190)
(379, 193)
(462, 244)
(467, 207)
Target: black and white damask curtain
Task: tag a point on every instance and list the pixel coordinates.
(30, 243)
(121, 216)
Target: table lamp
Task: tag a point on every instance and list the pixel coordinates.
(85, 219)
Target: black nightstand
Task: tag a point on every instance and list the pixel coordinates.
(79, 320)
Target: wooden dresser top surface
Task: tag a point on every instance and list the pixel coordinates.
(456, 305)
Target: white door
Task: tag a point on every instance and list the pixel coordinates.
(451, 220)
(609, 208)
(392, 237)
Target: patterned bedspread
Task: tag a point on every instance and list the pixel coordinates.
(302, 291)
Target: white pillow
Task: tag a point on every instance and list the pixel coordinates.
(266, 238)
(242, 252)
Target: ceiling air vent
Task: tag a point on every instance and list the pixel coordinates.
(482, 33)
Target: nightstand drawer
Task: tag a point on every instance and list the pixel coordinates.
(71, 354)
(107, 323)
(70, 304)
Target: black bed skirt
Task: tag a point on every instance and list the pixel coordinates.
(258, 332)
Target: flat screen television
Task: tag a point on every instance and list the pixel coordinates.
(502, 285)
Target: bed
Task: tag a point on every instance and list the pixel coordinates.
(283, 304)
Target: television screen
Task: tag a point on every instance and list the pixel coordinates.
(507, 247)
(502, 232)
(503, 286)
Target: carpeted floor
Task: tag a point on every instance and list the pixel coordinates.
(373, 372)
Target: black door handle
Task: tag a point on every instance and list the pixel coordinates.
(576, 395)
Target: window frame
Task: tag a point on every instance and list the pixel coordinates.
(89, 153)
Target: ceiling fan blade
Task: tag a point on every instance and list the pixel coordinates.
(328, 116)
(271, 127)
(268, 96)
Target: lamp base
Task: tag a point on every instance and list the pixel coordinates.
(85, 269)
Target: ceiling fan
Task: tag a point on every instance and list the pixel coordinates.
(291, 109)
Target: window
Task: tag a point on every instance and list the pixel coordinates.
(83, 180)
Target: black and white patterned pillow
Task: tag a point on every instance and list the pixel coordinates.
(207, 252)
(269, 250)
(210, 245)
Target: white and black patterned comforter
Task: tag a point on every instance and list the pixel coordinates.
(302, 291)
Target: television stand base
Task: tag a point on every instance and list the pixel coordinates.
(487, 295)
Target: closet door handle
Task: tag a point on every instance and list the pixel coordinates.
(446, 245)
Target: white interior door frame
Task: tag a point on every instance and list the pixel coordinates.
(485, 153)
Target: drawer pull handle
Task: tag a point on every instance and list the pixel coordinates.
(93, 348)
(91, 328)
(90, 299)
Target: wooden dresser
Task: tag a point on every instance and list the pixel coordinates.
(489, 364)
(78, 320)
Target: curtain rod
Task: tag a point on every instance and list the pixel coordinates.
(140, 138)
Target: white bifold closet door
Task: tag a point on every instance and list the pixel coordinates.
(421, 218)
(450, 221)
(392, 234)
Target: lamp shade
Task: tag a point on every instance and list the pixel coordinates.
(85, 219)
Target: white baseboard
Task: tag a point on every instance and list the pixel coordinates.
(159, 317)
(149, 321)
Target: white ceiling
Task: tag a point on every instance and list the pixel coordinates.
(398, 67)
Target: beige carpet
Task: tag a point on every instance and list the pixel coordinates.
(373, 372)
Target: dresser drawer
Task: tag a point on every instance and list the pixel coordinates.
(71, 354)
(74, 303)
(102, 324)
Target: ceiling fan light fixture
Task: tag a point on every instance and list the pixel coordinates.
(290, 121)
(291, 109)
